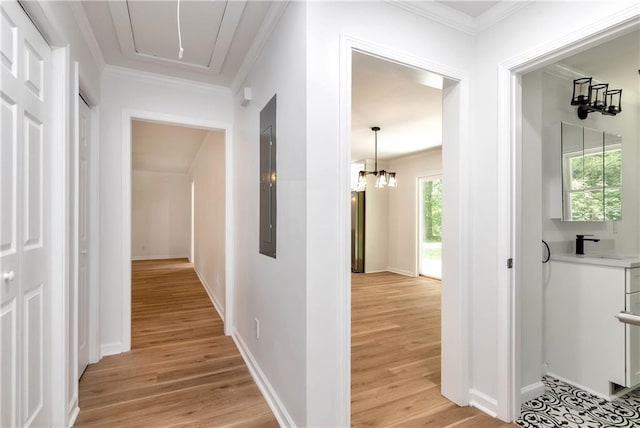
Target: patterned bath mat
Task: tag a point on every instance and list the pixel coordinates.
(563, 405)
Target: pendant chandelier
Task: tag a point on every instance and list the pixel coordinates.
(383, 178)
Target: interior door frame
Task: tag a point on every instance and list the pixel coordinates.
(455, 302)
(422, 177)
(510, 74)
(127, 116)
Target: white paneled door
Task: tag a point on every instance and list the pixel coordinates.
(84, 159)
(24, 230)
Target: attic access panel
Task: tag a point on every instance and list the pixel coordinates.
(155, 29)
(268, 179)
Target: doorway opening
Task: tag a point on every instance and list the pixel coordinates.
(391, 262)
(580, 178)
(430, 226)
(215, 271)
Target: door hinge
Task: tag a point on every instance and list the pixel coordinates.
(509, 263)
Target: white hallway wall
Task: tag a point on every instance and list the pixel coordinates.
(404, 208)
(139, 92)
(327, 23)
(274, 290)
(160, 215)
(208, 176)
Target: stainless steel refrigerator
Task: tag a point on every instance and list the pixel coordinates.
(357, 232)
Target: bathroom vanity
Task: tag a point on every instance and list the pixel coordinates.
(586, 345)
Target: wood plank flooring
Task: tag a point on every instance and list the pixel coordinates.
(182, 369)
(395, 360)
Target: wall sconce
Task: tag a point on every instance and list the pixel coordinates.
(598, 97)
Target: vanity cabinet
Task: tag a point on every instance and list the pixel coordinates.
(632, 333)
(585, 344)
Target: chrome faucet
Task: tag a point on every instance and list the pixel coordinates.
(580, 243)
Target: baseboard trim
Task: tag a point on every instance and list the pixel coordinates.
(532, 391)
(577, 385)
(161, 257)
(402, 272)
(212, 297)
(483, 402)
(73, 414)
(110, 349)
(375, 271)
(279, 410)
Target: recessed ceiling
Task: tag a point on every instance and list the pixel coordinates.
(143, 35)
(471, 8)
(406, 103)
(162, 147)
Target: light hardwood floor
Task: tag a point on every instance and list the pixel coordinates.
(182, 370)
(395, 366)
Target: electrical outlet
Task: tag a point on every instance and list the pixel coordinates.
(257, 329)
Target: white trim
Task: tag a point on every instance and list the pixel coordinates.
(72, 357)
(532, 391)
(445, 15)
(212, 297)
(127, 116)
(483, 402)
(111, 349)
(439, 13)
(403, 272)
(268, 392)
(73, 414)
(146, 77)
(87, 32)
(276, 9)
(509, 135)
(457, 389)
(60, 75)
(376, 271)
(577, 385)
(160, 257)
(94, 250)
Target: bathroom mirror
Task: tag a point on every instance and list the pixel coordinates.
(591, 174)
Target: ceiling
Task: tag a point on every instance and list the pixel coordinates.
(143, 35)
(616, 62)
(471, 8)
(406, 103)
(163, 147)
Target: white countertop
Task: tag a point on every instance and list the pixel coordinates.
(615, 260)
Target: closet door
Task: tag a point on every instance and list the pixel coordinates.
(24, 206)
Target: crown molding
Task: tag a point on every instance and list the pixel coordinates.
(499, 12)
(145, 76)
(438, 12)
(87, 32)
(268, 25)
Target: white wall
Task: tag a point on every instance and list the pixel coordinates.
(327, 268)
(160, 215)
(404, 208)
(512, 37)
(208, 176)
(140, 92)
(274, 290)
